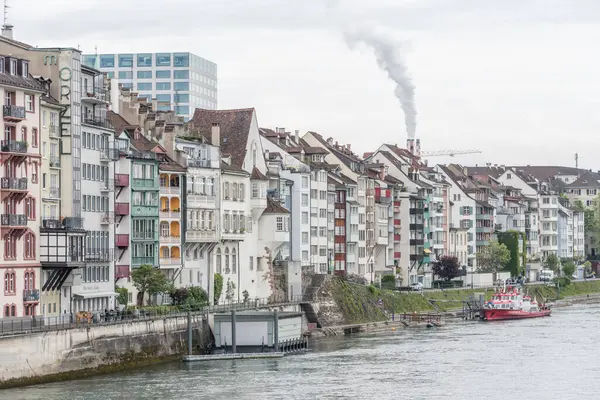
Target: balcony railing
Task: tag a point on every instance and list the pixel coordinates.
(397, 223)
(122, 180)
(122, 271)
(136, 261)
(95, 93)
(170, 214)
(98, 121)
(51, 224)
(13, 220)
(143, 155)
(144, 183)
(397, 255)
(170, 189)
(122, 240)
(107, 218)
(121, 209)
(54, 192)
(170, 239)
(170, 261)
(31, 295)
(73, 222)
(13, 112)
(198, 163)
(148, 235)
(13, 183)
(13, 146)
(109, 154)
(53, 129)
(99, 255)
(54, 161)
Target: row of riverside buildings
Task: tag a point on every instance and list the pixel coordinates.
(97, 181)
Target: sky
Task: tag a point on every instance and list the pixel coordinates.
(515, 79)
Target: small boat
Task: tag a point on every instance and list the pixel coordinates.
(511, 303)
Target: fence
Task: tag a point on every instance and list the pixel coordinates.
(28, 325)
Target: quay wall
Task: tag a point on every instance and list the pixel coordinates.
(73, 353)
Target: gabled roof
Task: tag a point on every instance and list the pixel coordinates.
(234, 129)
(494, 172)
(273, 207)
(587, 180)
(546, 172)
(22, 82)
(256, 174)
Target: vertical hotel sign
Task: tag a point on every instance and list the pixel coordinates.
(64, 75)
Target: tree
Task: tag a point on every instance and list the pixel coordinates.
(568, 269)
(123, 295)
(552, 262)
(198, 296)
(511, 240)
(447, 268)
(218, 288)
(179, 296)
(230, 291)
(492, 258)
(150, 280)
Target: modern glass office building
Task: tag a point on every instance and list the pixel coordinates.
(179, 81)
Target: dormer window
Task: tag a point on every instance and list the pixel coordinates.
(13, 67)
(25, 69)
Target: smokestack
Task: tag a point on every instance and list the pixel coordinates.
(418, 148)
(216, 134)
(7, 31)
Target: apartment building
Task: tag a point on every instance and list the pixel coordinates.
(171, 181)
(20, 188)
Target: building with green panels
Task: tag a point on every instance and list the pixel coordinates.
(144, 208)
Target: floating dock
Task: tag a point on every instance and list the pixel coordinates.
(231, 356)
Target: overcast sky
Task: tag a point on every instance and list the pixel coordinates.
(516, 79)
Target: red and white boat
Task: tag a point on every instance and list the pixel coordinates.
(511, 303)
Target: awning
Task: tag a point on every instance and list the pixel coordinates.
(95, 295)
(426, 251)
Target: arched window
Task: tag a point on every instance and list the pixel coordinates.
(227, 270)
(164, 229)
(233, 261)
(9, 282)
(164, 252)
(254, 154)
(218, 261)
(26, 280)
(7, 310)
(29, 246)
(13, 310)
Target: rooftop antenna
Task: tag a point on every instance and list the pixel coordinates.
(6, 7)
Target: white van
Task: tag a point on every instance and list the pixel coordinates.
(546, 275)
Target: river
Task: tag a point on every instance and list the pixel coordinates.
(547, 358)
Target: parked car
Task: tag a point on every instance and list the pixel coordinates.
(417, 286)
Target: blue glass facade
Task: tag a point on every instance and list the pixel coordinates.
(179, 81)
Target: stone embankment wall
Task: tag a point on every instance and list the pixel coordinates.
(72, 353)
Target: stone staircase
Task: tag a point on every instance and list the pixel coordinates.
(309, 298)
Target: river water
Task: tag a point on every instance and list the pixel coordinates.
(547, 358)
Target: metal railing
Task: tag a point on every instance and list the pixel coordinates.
(98, 121)
(13, 183)
(54, 162)
(53, 129)
(13, 146)
(14, 112)
(13, 220)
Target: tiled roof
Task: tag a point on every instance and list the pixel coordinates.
(346, 179)
(392, 180)
(50, 100)
(22, 82)
(232, 168)
(171, 166)
(120, 124)
(494, 172)
(544, 173)
(587, 180)
(273, 207)
(234, 128)
(256, 174)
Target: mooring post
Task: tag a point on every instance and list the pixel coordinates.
(233, 333)
(189, 331)
(276, 330)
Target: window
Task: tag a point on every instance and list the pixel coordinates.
(125, 60)
(181, 59)
(164, 74)
(29, 246)
(163, 97)
(25, 69)
(13, 67)
(144, 86)
(181, 74)
(144, 60)
(305, 182)
(30, 208)
(182, 98)
(9, 282)
(304, 217)
(185, 86)
(29, 102)
(107, 61)
(163, 86)
(304, 237)
(305, 200)
(125, 74)
(34, 137)
(182, 110)
(34, 172)
(279, 226)
(163, 60)
(144, 74)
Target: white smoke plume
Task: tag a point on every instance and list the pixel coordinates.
(389, 58)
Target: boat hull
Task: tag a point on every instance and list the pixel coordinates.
(491, 314)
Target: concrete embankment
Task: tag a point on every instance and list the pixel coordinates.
(74, 353)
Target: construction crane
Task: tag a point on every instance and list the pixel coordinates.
(450, 153)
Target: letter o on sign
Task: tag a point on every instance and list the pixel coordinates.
(65, 74)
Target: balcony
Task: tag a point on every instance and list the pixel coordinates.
(13, 146)
(417, 242)
(107, 155)
(397, 223)
(145, 236)
(169, 239)
(13, 113)
(142, 155)
(482, 242)
(170, 190)
(13, 220)
(73, 222)
(121, 180)
(122, 240)
(396, 238)
(170, 261)
(13, 187)
(144, 184)
(139, 261)
(382, 240)
(170, 214)
(53, 129)
(416, 227)
(200, 236)
(100, 122)
(383, 196)
(108, 185)
(54, 162)
(416, 211)
(397, 255)
(31, 296)
(486, 229)
(200, 200)
(121, 209)
(122, 271)
(144, 211)
(107, 218)
(52, 224)
(100, 255)
(484, 216)
(94, 95)
(194, 163)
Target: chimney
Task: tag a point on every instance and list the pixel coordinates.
(297, 136)
(336, 144)
(382, 172)
(266, 154)
(465, 171)
(216, 134)
(7, 31)
(348, 146)
(330, 141)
